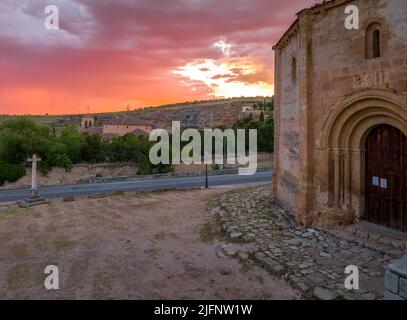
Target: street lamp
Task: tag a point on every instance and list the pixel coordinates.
(206, 170)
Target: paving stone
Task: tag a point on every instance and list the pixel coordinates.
(362, 233)
(316, 257)
(397, 243)
(369, 296)
(353, 229)
(259, 255)
(324, 294)
(243, 255)
(302, 286)
(325, 254)
(235, 234)
(278, 268)
(230, 251)
(219, 251)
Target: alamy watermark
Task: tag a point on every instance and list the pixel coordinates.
(352, 20)
(52, 280)
(352, 281)
(219, 147)
(51, 21)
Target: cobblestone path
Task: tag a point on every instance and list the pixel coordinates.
(312, 260)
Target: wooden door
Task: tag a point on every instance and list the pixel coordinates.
(386, 177)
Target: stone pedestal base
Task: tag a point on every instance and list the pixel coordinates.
(395, 281)
(34, 199)
(333, 218)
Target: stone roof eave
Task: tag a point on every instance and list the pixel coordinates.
(316, 9)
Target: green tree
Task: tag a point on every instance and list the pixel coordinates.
(21, 137)
(74, 142)
(10, 172)
(94, 149)
(261, 117)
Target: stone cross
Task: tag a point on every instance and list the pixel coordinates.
(34, 161)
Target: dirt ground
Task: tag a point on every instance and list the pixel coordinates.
(126, 246)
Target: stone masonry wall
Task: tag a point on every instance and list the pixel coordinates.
(288, 135)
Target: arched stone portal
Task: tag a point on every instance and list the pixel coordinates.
(341, 147)
(386, 177)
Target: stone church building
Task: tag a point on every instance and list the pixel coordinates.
(341, 115)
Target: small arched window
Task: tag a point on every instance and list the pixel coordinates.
(294, 70)
(376, 44)
(373, 41)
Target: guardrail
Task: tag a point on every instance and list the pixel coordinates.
(170, 175)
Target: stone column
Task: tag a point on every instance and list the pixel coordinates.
(306, 192)
(395, 280)
(347, 179)
(337, 177)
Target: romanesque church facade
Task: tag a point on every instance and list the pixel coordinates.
(341, 115)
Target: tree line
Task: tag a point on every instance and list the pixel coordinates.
(21, 137)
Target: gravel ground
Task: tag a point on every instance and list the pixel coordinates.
(162, 245)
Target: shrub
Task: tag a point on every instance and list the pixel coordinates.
(63, 161)
(215, 167)
(11, 172)
(93, 150)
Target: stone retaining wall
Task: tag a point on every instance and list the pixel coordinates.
(80, 173)
(105, 172)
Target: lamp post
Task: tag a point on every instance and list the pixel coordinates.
(206, 176)
(206, 170)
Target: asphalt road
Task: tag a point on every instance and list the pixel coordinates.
(136, 185)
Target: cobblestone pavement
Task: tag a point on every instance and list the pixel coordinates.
(312, 260)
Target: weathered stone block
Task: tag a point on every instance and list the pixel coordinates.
(403, 288)
(324, 294)
(391, 282)
(390, 296)
(400, 267)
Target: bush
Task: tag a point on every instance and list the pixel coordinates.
(11, 172)
(265, 132)
(63, 161)
(215, 167)
(94, 149)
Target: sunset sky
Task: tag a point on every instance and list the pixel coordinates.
(112, 54)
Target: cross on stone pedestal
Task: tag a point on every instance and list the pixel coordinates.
(34, 197)
(34, 160)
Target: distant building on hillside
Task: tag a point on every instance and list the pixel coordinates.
(121, 127)
(87, 122)
(247, 108)
(251, 111)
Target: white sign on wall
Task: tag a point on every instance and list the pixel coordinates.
(383, 183)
